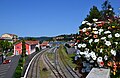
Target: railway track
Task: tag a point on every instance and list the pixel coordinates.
(52, 67)
(34, 71)
(58, 65)
(71, 72)
(60, 68)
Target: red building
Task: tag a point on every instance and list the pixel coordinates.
(44, 45)
(30, 47)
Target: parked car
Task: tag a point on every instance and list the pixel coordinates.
(6, 61)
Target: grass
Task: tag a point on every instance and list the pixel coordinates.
(51, 56)
(44, 72)
(18, 71)
(67, 57)
(9, 54)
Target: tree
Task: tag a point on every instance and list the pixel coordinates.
(94, 13)
(23, 48)
(31, 38)
(107, 10)
(5, 45)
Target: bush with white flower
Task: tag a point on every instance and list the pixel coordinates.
(99, 39)
(99, 44)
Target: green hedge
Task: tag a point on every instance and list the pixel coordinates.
(19, 69)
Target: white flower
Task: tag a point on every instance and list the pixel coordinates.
(75, 47)
(95, 32)
(86, 52)
(108, 43)
(85, 38)
(110, 36)
(81, 53)
(113, 52)
(90, 40)
(94, 57)
(78, 56)
(89, 28)
(92, 54)
(99, 59)
(117, 35)
(101, 50)
(116, 43)
(87, 55)
(79, 45)
(78, 52)
(103, 38)
(107, 32)
(89, 24)
(87, 49)
(106, 57)
(94, 28)
(96, 40)
(100, 30)
(75, 43)
(83, 45)
(84, 29)
(84, 22)
(99, 33)
(110, 9)
(95, 19)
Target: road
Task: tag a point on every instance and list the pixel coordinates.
(7, 70)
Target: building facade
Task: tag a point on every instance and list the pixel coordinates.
(9, 37)
(30, 47)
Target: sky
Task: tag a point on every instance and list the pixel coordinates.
(46, 17)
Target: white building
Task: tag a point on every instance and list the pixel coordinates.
(10, 37)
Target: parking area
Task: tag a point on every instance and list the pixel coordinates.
(7, 70)
(3, 70)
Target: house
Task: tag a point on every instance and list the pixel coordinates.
(10, 37)
(45, 44)
(30, 47)
(1, 39)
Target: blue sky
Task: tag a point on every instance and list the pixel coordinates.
(45, 17)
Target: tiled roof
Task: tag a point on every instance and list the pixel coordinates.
(32, 42)
(29, 42)
(44, 43)
(11, 34)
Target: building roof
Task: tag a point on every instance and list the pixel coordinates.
(9, 34)
(32, 42)
(45, 43)
(29, 42)
(12, 35)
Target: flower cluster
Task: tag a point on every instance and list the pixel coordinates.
(98, 40)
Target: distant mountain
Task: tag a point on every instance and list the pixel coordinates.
(65, 37)
(43, 38)
(38, 38)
